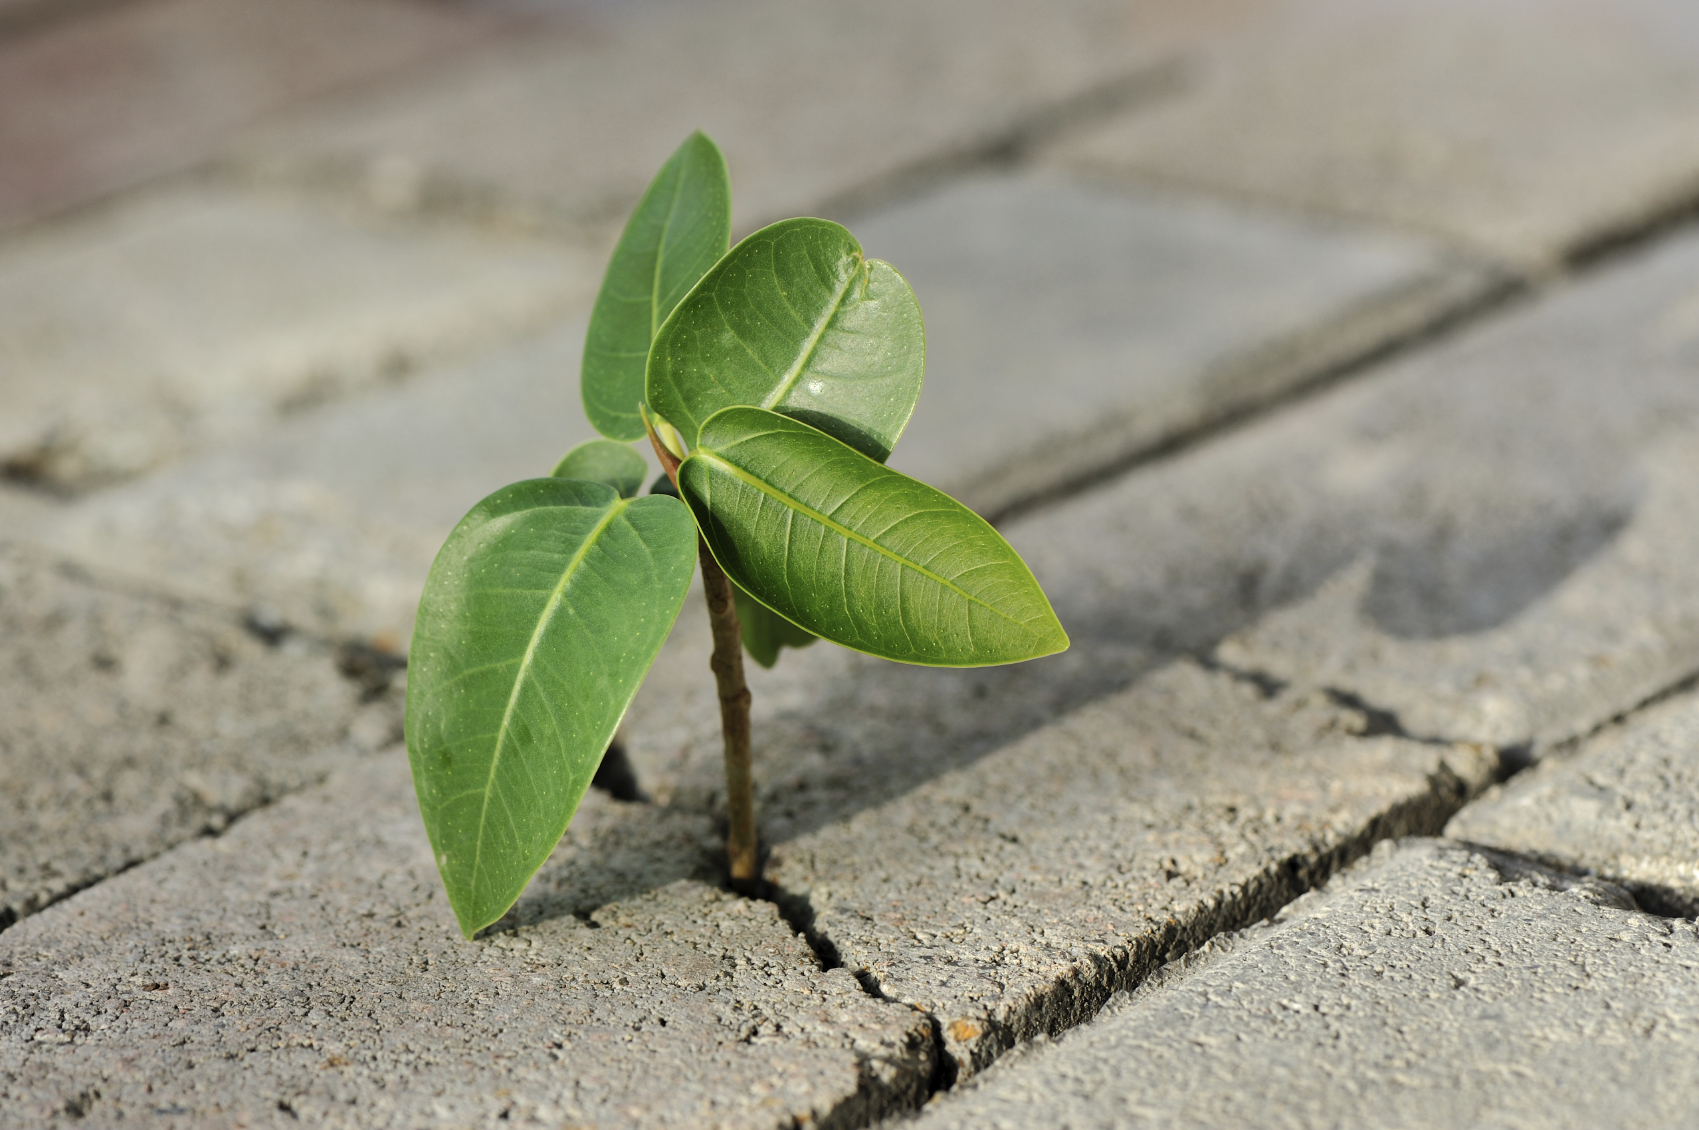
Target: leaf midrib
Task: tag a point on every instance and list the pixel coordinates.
(523, 673)
(786, 500)
(813, 343)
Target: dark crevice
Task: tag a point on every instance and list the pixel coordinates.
(1013, 144)
(1445, 324)
(1618, 241)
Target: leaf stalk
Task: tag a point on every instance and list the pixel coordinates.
(742, 845)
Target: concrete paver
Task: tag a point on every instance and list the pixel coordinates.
(1068, 328)
(1625, 806)
(304, 967)
(103, 100)
(812, 103)
(331, 519)
(1012, 897)
(132, 724)
(1490, 539)
(1429, 986)
(1526, 129)
(202, 315)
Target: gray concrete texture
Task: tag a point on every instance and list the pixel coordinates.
(92, 106)
(203, 315)
(1492, 539)
(1622, 807)
(1526, 129)
(1011, 898)
(304, 967)
(1041, 369)
(1069, 329)
(134, 723)
(814, 104)
(1431, 986)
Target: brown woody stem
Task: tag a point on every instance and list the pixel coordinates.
(727, 663)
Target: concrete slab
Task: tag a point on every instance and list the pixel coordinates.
(817, 107)
(331, 520)
(129, 724)
(1625, 807)
(99, 103)
(304, 967)
(1429, 986)
(1011, 898)
(1489, 540)
(1521, 515)
(1526, 129)
(205, 314)
(1069, 329)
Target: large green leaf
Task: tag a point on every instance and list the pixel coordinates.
(765, 631)
(680, 228)
(540, 617)
(795, 319)
(604, 461)
(857, 553)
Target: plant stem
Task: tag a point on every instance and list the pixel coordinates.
(727, 662)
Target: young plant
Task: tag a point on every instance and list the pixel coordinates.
(772, 379)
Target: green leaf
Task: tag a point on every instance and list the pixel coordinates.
(795, 320)
(858, 553)
(540, 617)
(604, 461)
(681, 228)
(765, 631)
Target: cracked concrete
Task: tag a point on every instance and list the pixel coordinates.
(1012, 897)
(133, 724)
(304, 966)
(1430, 985)
(1620, 807)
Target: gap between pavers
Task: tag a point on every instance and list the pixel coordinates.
(1430, 985)
(1011, 898)
(1623, 806)
(1072, 329)
(1521, 511)
(110, 95)
(1530, 131)
(332, 520)
(204, 314)
(815, 105)
(133, 723)
(305, 965)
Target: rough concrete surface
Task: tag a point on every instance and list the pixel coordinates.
(814, 104)
(1069, 328)
(88, 106)
(1625, 806)
(1011, 898)
(129, 724)
(1524, 128)
(1491, 539)
(330, 521)
(1424, 988)
(202, 315)
(304, 967)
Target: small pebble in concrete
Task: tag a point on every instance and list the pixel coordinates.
(1429, 986)
(1624, 806)
(1012, 897)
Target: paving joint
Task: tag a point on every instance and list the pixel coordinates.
(1018, 142)
(1503, 293)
